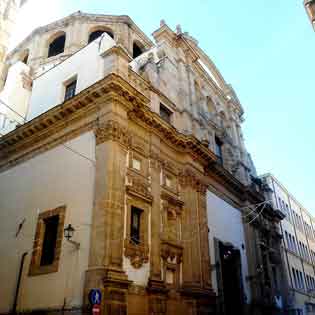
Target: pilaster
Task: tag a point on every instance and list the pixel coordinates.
(107, 239)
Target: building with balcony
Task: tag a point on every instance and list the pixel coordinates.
(298, 247)
(137, 145)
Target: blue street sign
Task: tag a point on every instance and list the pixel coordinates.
(95, 296)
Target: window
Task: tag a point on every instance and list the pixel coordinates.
(165, 113)
(137, 51)
(136, 164)
(295, 278)
(47, 242)
(96, 34)
(24, 57)
(168, 181)
(135, 225)
(50, 239)
(70, 90)
(57, 46)
(218, 149)
(275, 278)
(170, 276)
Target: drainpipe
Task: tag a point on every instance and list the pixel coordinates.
(18, 284)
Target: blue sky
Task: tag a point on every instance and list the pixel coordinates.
(263, 48)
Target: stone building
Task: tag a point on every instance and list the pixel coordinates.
(138, 146)
(8, 17)
(310, 10)
(298, 249)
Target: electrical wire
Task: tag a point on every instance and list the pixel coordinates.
(257, 215)
(253, 210)
(67, 147)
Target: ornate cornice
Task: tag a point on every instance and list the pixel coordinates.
(180, 142)
(80, 114)
(67, 120)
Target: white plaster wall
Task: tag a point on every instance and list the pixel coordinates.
(225, 224)
(86, 64)
(54, 178)
(140, 276)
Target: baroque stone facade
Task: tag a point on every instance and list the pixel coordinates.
(167, 129)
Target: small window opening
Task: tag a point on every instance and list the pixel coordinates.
(25, 59)
(168, 181)
(135, 225)
(165, 113)
(218, 149)
(57, 46)
(137, 51)
(96, 34)
(50, 239)
(170, 276)
(70, 90)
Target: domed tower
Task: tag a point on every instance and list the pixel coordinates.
(8, 16)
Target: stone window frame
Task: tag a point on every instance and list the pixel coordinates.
(35, 267)
(137, 203)
(171, 255)
(137, 253)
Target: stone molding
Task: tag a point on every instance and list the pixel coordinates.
(40, 134)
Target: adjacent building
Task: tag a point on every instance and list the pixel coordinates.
(298, 247)
(310, 10)
(126, 171)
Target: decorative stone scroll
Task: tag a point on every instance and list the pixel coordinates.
(137, 253)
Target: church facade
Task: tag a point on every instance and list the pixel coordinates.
(138, 147)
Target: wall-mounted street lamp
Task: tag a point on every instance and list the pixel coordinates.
(68, 233)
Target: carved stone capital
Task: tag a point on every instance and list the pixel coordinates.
(112, 130)
(189, 178)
